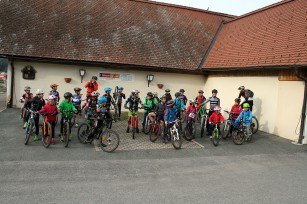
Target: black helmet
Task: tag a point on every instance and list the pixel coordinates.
(150, 94)
(67, 95)
(177, 94)
(214, 91)
(238, 100)
(241, 88)
(182, 90)
(77, 89)
(94, 78)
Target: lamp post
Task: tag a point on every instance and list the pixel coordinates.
(82, 73)
(150, 77)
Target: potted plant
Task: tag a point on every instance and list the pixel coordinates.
(67, 80)
(160, 86)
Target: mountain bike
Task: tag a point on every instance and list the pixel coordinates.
(173, 133)
(47, 132)
(133, 122)
(203, 116)
(108, 139)
(154, 130)
(147, 122)
(190, 129)
(66, 127)
(216, 135)
(226, 129)
(242, 133)
(31, 126)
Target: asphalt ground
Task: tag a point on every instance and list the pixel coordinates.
(268, 170)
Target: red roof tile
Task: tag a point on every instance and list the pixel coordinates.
(112, 31)
(272, 36)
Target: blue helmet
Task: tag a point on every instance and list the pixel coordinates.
(107, 89)
(102, 100)
(120, 88)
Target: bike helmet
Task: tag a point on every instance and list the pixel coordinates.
(107, 89)
(27, 88)
(177, 94)
(241, 88)
(192, 101)
(95, 93)
(217, 108)
(167, 90)
(149, 94)
(40, 91)
(52, 97)
(53, 85)
(214, 91)
(102, 100)
(94, 78)
(238, 100)
(67, 95)
(201, 91)
(120, 88)
(163, 97)
(246, 105)
(182, 90)
(77, 89)
(170, 103)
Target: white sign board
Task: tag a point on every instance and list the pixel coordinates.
(106, 76)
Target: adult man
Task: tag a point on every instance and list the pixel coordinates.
(248, 95)
(91, 86)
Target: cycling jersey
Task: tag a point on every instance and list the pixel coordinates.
(133, 103)
(199, 100)
(109, 100)
(76, 100)
(235, 111)
(35, 104)
(214, 101)
(55, 93)
(216, 118)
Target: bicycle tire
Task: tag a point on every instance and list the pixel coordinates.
(215, 137)
(255, 125)
(66, 134)
(147, 126)
(237, 137)
(154, 132)
(202, 127)
(226, 130)
(176, 142)
(187, 133)
(29, 132)
(83, 132)
(105, 140)
(46, 138)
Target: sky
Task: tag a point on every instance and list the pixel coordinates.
(234, 7)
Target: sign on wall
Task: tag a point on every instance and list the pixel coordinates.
(126, 77)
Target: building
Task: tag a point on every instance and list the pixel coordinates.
(123, 41)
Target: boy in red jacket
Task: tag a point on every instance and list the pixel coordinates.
(235, 112)
(50, 111)
(216, 117)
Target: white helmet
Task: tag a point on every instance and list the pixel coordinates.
(192, 101)
(217, 108)
(40, 91)
(95, 93)
(52, 97)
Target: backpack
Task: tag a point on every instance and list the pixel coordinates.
(249, 93)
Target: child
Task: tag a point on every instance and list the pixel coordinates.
(119, 96)
(191, 110)
(215, 118)
(90, 105)
(200, 99)
(149, 106)
(169, 117)
(235, 112)
(76, 100)
(133, 101)
(24, 99)
(159, 113)
(168, 95)
(214, 101)
(179, 105)
(184, 98)
(54, 92)
(50, 110)
(155, 96)
(110, 101)
(246, 116)
(35, 104)
(66, 105)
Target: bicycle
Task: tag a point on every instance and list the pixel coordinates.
(47, 132)
(173, 133)
(147, 122)
(155, 131)
(216, 135)
(190, 129)
(242, 133)
(203, 116)
(66, 127)
(31, 126)
(227, 125)
(108, 139)
(133, 122)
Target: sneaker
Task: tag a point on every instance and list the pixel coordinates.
(127, 131)
(25, 125)
(76, 125)
(52, 141)
(35, 138)
(61, 138)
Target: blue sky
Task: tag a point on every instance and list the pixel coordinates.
(234, 7)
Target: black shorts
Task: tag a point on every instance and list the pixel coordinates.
(160, 117)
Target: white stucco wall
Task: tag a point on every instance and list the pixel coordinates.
(48, 73)
(274, 101)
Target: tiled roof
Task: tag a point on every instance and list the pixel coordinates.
(272, 36)
(109, 31)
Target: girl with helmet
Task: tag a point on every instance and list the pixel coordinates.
(134, 101)
(35, 104)
(91, 86)
(215, 118)
(24, 98)
(200, 99)
(246, 116)
(76, 100)
(118, 97)
(191, 110)
(50, 110)
(66, 105)
(54, 88)
(235, 112)
(179, 105)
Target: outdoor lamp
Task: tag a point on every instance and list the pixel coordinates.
(150, 77)
(82, 73)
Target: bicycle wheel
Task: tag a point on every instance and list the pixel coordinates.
(255, 125)
(154, 132)
(147, 126)
(215, 137)
(29, 132)
(109, 123)
(72, 121)
(84, 131)
(46, 138)
(237, 137)
(109, 140)
(202, 126)
(176, 140)
(66, 134)
(188, 133)
(115, 117)
(226, 130)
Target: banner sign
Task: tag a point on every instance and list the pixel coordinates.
(116, 77)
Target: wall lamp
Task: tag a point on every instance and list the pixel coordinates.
(82, 73)
(150, 77)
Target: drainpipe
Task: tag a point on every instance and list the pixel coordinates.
(302, 77)
(11, 88)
